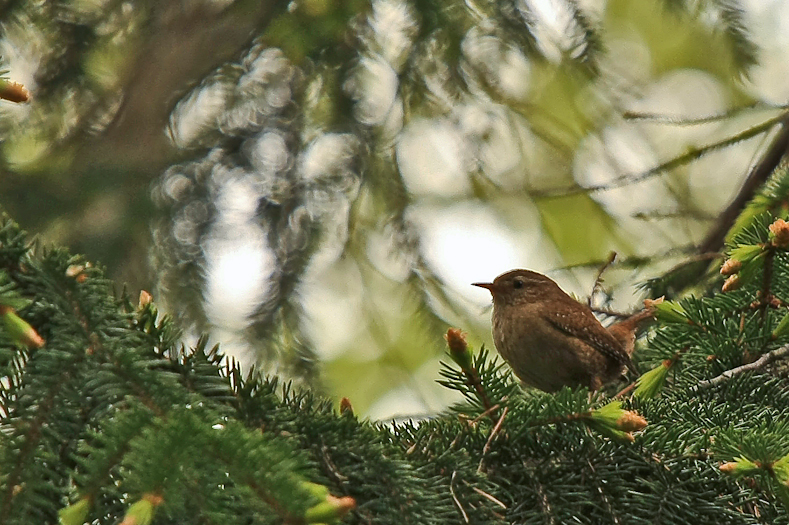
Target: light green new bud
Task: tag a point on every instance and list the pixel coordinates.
(19, 330)
(783, 327)
(745, 253)
(781, 470)
(319, 491)
(740, 467)
(76, 513)
(612, 433)
(671, 312)
(651, 383)
(142, 512)
(330, 510)
(608, 414)
(616, 418)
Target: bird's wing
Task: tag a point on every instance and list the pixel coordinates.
(591, 333)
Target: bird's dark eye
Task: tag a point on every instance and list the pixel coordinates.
(518, 283)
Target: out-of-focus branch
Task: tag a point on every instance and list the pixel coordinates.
(183, 46)
(181, 43)
(758, 174)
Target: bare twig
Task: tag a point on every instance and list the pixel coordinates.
(455, 498)
(493, 433)
(756, 365)
(609, 312)
(626, 390)
(635, 261)
(330, 466)
(488, 496)
(487, 412)
(599, 279)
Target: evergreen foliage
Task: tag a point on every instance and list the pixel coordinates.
(104, 415)
(321, 113)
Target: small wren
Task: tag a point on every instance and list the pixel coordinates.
(551, 340)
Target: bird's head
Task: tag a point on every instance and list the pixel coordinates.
(520, 286)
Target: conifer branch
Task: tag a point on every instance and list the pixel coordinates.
(763, 361)
(767, 164)
(679, 160)
(33, 435)
(660, 118)
(460, 353)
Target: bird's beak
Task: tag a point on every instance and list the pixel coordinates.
(488, 286)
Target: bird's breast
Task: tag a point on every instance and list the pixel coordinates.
(540, 354)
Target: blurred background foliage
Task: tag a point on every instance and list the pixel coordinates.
(315, 183)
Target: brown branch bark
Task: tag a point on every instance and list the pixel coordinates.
(760, 363)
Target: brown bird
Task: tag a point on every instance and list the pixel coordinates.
(551, 340)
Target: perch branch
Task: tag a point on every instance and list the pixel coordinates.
(763, 361)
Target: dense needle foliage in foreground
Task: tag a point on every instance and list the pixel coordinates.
(106, 415)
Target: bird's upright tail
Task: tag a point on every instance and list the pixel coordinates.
(625, 331)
